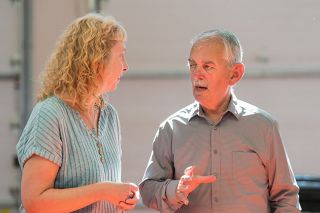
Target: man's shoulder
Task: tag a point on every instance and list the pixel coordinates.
(251, 111)
(183, 115)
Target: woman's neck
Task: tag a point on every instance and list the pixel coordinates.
(89, 114)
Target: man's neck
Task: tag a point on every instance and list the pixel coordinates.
(216, 113)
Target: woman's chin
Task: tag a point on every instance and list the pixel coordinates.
(112, 88)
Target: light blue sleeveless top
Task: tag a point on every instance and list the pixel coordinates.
(56, 132)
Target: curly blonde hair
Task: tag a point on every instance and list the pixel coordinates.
(78, 58)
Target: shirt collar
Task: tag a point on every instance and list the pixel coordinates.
(234, 108)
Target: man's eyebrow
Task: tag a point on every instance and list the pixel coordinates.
(209, 62)
(206, 62)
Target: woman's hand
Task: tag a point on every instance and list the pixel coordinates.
(124, 195)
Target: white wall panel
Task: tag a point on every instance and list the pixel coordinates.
(277, 36)
(10, 33)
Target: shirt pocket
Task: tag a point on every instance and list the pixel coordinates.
(248, 169)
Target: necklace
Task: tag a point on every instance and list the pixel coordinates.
(97, 107)
(94, 122)
(99, 143)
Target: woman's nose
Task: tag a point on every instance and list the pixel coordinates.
(125, 65)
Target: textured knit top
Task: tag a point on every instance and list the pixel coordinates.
(56, 132)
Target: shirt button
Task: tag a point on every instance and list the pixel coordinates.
(215, 151)
(215, 128)
(216, 200)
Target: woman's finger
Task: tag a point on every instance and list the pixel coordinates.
(126, 206)
(133, 187)
(132, 201)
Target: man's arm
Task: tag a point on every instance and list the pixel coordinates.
(282, 184)
(158, 188)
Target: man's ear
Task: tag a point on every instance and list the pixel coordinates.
(236, 73)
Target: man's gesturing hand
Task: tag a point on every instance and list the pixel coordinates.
(189, 182)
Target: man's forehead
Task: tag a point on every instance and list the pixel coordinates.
(206, 49)
(212, 43)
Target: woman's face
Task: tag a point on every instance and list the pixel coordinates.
(114, 68)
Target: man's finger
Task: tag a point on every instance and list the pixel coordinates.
(185, 178)
(201, 179)
(183, 188)
(206, 179)
(189, 171)
(183, 198)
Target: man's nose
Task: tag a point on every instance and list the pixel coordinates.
(197, 73)
(198, 70)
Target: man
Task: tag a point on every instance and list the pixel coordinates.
(234, 148)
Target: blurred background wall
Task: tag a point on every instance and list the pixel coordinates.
(281, 52)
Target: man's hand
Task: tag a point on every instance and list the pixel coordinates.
(189, 182)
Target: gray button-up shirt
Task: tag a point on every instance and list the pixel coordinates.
(244, 151)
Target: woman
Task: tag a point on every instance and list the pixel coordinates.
(70, 148)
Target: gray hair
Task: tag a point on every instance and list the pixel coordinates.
(231, 43)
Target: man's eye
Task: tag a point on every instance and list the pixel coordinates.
(208, 68)
(192, 66)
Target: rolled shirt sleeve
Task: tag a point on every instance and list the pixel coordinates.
(282, 184)
(158, 189)
(41, 136)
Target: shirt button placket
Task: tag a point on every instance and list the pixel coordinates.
(216, 161)
(215, 165)
(216, 200)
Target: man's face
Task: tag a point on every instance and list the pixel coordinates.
(210, 74)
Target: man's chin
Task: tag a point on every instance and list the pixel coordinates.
(199, 96)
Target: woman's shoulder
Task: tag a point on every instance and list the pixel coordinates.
(51, 107)
(111, 109)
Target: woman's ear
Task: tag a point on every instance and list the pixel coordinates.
(96, 65)
(236, 73)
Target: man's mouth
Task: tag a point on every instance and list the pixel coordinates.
(200, 86)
